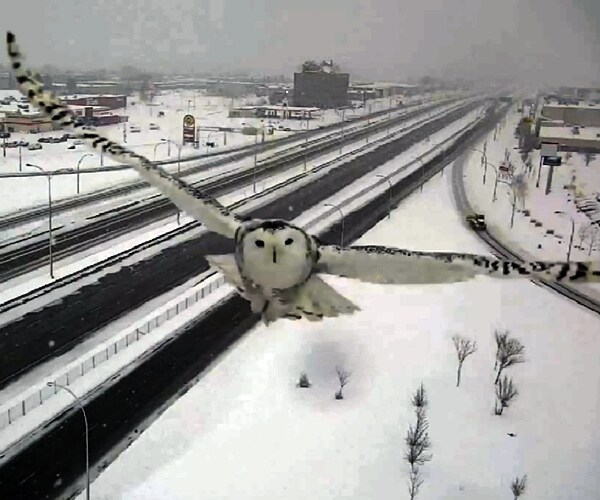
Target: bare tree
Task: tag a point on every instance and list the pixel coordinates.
(589, 233)
(501, 336)
(589, 158)
(518, 486)
(343, 377)
(419, 398)
(506, 391)
(464, 347)
(303, 381)
(415, 483)
(510, 353)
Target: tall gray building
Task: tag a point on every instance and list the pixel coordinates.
(318, 86)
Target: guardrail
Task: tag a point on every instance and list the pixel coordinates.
(38, 394)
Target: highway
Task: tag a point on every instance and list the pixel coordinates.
(119, 220)
(71, 319)
(220, 158)
(118, 414)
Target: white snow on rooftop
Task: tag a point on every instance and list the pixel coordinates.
(586, 133)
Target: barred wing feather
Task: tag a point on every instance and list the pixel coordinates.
(379, 264)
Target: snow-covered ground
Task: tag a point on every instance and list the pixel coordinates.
(245, 431)
(525, 237)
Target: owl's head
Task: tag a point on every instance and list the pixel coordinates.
(275, 243)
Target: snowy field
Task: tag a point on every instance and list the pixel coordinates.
(245, 431)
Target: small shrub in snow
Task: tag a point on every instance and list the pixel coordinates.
(343, 377)
(464, 347)
(419, 398)
(417, 441)
(510, 352)
(518, 487)
(303, 381)
(415, 483)
(506, 391)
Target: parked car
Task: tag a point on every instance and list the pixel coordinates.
(133, 129)
(4, 135)
(42, 140)
(72, 146)
(69, 136)
(78, 142)
(11, 144)
(34, 146)
(477, 222)
(23, 144)
(154, 126)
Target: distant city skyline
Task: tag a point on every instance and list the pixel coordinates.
(532, 41)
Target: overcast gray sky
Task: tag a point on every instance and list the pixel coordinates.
(535, 40)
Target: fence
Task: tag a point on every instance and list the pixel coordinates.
(38, 395)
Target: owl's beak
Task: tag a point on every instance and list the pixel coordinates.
(274, 256)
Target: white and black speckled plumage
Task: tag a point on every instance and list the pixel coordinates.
(276, 264)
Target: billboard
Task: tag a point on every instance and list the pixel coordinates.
(189, 129)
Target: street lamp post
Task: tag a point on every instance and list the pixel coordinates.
(342, 222)
(207, 138)
(342, 130)
(78, 164)
(391, 188)
(255, 161)
(483, 161)
(559, 212)
(20, 158)
(49, 177)
(422, 172)
(178, 146)
(87, 441)
(155, 147)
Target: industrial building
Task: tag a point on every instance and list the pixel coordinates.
(275, 112)
(581, 139)
(98, 116)
(581, 114)
(110, 101)
(320, 86)
(32, 123)
(377, 90)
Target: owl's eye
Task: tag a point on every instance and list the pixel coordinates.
(289, 241)
(260, 243)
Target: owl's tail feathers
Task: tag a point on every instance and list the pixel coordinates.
(316, 300)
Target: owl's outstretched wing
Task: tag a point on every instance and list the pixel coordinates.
(187, 198)
(379, 264)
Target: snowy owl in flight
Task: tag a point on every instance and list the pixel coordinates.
(277, 265)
